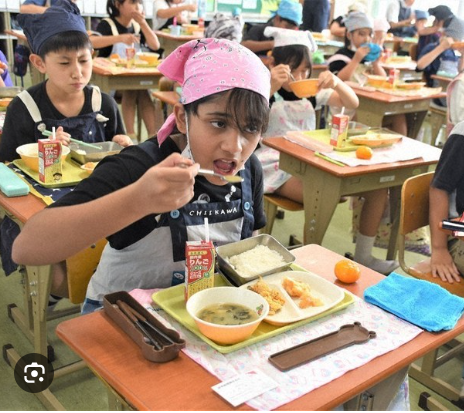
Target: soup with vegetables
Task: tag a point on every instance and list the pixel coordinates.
(227, 314)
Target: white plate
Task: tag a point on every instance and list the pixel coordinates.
(329, 293)
(376, 139)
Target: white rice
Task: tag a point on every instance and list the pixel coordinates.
(256, 261)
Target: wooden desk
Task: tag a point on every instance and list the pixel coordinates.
(443, 81)
(329, 47)
(184, 385)
(407, 70)
(373, 106)
(324, 183)
(170, 42)
(400, 43)
(37, 280)
(138, 79)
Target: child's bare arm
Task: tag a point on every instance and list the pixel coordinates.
(67, 230)
(350, 68)
(378, 69)
(150, 37)
(122, 140)
(343, 95)
(99, 42)
(442, 262)
(279, 75)
(428, 58)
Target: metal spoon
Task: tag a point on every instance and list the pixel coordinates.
(234, 179)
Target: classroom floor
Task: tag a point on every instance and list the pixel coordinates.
(83, 391)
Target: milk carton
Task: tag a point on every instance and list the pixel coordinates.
(50, 168)
(339, 132)
(199, 266)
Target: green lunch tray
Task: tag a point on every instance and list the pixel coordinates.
(323, 135)
(172, 301)
(72, 174)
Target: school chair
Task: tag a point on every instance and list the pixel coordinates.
(414, 214)
(437, 119)
(167, 99)
(33, 321)
(413, 52)
(80, 269)
(271, 205)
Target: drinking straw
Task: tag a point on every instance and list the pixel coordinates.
(206, 230)
(53, 133)
(343, 110)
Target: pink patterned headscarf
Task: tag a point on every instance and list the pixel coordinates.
(208, 66)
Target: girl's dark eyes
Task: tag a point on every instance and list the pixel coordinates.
(219, 123)
(251, 129)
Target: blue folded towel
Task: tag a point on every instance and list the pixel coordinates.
(374, 53)
(420, 302)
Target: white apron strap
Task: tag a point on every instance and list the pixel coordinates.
(114, 29)
(31, 106)
(96, 98)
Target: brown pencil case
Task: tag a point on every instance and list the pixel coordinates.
(123, 309)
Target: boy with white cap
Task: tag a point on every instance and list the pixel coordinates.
(148, 200)
(288, 16)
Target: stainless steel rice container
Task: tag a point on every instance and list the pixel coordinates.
(83, 154)
(235, 248)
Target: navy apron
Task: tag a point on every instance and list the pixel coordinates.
(89, 127)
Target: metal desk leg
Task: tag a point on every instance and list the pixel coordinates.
(321, 196)
(379, 396)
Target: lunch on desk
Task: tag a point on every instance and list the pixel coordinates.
(410, 85)
(207, 308)
(373, 139)
(295, 295)
(89, 167)
(246, 260)
(29, 153)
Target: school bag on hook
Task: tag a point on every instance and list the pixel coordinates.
(21, 60)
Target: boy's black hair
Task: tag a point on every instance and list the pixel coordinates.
(113, 11)
(72, 40)
(248, 108)
(292, 55)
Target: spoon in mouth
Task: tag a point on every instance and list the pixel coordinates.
(233, 179)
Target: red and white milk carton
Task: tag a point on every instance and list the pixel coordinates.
(50, 168)
(199, 266)
(393, 77)
(339, 132)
